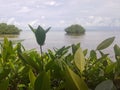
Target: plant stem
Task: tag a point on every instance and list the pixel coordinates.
(41, 49)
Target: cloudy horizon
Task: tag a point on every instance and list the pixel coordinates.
(60, 13)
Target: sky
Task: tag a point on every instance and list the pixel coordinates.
(60, 13)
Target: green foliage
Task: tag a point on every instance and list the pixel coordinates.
(75, 29)
(8, 29)
(12, 71)
(58, 69)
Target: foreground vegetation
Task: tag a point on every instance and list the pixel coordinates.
(8, 29)
(75, 30)
(66, 68)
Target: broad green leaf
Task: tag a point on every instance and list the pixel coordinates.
(79, 59)
(106, 43)
(117, 54)
(42, 82)
(32, 78)
(32, 28)
(117, 50)
(106, 85)
(73, 81)
(4, 85)
(40, 35)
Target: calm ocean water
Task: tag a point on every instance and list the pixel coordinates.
(57, 39)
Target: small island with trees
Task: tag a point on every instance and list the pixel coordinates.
(6, 29)
(75, 30)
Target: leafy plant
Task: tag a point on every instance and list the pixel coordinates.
(66, 68)
(40, 35)
(12, 70)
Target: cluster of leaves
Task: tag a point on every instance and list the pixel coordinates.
(75, 29)
(8, 29)
(60, 69)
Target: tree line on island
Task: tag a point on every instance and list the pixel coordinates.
(9, 29)
(12, 29)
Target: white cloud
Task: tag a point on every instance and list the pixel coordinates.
(11, 20)
(42, 17)
(3, 20)
(61, 12)
(34, 22)
(62, 21)
(52, 3)
(24, 10)
(99, 21)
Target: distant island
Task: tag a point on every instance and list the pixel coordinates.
(6, 29)
(75, 30)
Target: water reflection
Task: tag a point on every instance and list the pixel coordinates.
(74, 34)
(74, 39)
(9, 36)
(13, 38)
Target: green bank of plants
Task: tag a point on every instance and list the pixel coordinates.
(66, 68)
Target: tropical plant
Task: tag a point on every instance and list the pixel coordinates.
(13, 73)
(40, 35)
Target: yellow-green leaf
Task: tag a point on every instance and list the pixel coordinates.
(32, 78)
(73, 81)
(79, 60)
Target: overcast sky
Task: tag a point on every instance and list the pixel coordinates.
(60, 13)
